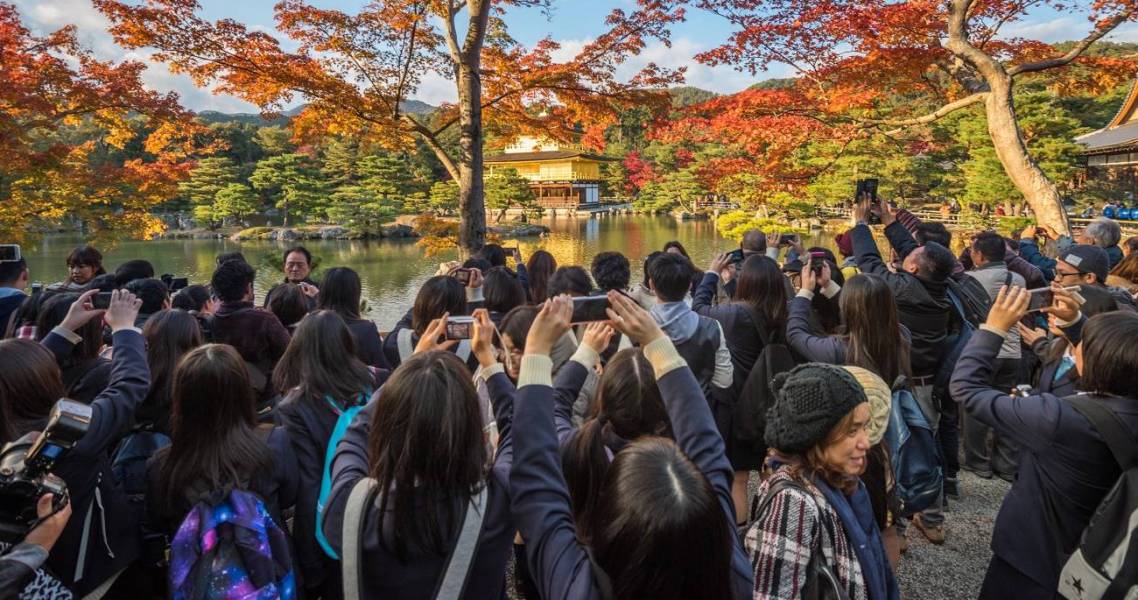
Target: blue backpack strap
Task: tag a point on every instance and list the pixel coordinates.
(342, 423)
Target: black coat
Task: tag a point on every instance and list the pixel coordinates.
(1065, 467)
(369, 346)
(113, 539)
(922, 305)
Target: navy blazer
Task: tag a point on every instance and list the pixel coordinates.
(1065, 467)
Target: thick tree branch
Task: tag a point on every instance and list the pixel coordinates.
(433, 143)
(1104, 28)
(933, 116)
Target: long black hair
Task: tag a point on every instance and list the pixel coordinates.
(628, 406)
(440, 294)
(540, 269)
(873, 330)
(213, 445)
(169, 334)
(340, 292)
(502, 290)
(52, 313)
(658, 530)
(762, 287)
(321, 360)
(426, 444)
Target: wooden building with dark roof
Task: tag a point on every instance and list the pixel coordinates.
(1111, 153)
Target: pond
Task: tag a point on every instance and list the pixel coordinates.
(393, 270)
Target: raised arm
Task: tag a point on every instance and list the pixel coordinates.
(539, 496)
(692, 422)
(813, 348)
(1031, 422)
(114, 407)
(572, 376)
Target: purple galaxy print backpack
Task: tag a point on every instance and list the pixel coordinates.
(231, 550)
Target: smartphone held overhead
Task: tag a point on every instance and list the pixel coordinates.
(587, 309)
(462, 275)
(1044, 297)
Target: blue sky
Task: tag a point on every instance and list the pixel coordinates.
(573, 23)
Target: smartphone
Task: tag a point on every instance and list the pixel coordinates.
(737, 256)
(102, 300)
(10, 252)
(513, 251)
(178, 283)
(460, 328)
(788, 239)
(587, 309)
(1044, 297)
(817, 259)
(462, 275)
(868, 187)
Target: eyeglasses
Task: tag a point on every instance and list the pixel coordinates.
(1061, 274)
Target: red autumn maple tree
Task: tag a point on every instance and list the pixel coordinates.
(856, 57)
(356, 70)
(50, 88)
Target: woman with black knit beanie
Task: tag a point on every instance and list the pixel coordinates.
(815, 523)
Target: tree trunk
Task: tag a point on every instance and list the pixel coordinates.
(1040, 193)
(471, 199)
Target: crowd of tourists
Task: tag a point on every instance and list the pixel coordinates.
(590, 435)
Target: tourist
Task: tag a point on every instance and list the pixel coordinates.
(257, 335)
(612, 272)
(1130, 245)
(675, 247)
(1029, 248)
(1056, 374)
(341, 293)
(131, 270)
(700, 340)
(1104, 233)
(21, 565)
(321, 377)
(642, 293)
(502, 292)
(540, 267)
(30, 386)
(424, 489)
(987, 253)
(440, 296)
(22, 323)
(572, 280)
(13, 282)
(845, 248)
(1086, 264)
(84, 372)
(1124, 275)
(754, 317)
(289, 303)
(170, 335)
(755, 242)
(216, 448)
(154, 294)
(819, 432)
(921, 290)
(298, 265)
(225, 257)
(1065, 468)
(658, 508)
(194, 299)
(83, 264)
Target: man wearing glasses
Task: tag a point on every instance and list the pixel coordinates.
(1083, 264)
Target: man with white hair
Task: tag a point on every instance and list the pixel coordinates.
(1104, 233)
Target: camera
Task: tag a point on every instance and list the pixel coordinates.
(25, 468)
(10, 252)
(587, 309)
(817, 259)
(460, 328)
(737, 256)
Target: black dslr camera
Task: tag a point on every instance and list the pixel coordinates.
(25, 468)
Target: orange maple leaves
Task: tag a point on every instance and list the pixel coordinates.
(51, 85)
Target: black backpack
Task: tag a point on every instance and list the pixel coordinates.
(1105, 565)
(749, 419)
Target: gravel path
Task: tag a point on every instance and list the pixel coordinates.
(956, 569)
(953, 571)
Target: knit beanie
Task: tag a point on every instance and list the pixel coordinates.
(809, 401)
(880, 401)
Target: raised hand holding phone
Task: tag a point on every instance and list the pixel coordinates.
(550, 324)
(597, 336)
(630, 319)
(1009, 307)
(81, 311)
(123, 310)
(482, 340)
